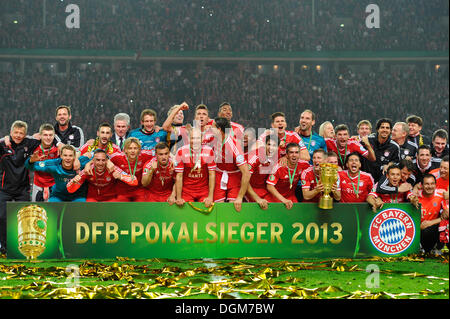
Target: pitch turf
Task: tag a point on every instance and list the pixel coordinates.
(390, 278)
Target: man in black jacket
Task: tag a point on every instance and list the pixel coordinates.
(65, 132)
(386, 150)
(15, 179)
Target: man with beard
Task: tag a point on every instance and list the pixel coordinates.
(65, 132)
(101, 179)
(226, 111)
(312, 140)
(103, 141)
(386, 151)
(158, 177)
(355, 184)
(279, 126)
(282, 181)
(434, 211)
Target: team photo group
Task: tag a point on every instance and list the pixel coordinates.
(215, 159)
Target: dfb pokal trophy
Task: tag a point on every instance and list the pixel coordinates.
(32, 231)
(328, 176)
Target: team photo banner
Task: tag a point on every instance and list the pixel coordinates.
(157, 230)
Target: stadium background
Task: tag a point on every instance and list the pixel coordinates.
(261, 56)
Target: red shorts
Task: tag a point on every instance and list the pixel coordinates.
(101, 199)
(233, 187)
(261, 192)
(190, 196)
(135, 196)
(152, 197)
(272, 199)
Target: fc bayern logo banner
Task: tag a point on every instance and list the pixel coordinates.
(392, 231)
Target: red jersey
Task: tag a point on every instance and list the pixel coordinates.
(309, 182)
(286, 179)
(352, 146)
(195, 167)
(229, 156)
(431, 206)
(441, 183)
(163, 179)
(288, 137)
(349, 186)
(42, 179)
(259, 171)
(390, 198)
(101, 185)
(132, 168)
(109, 148)
(237, 129)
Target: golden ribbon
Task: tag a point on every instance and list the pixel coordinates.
(203, 211)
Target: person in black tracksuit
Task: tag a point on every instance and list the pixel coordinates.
(15, 179)
(65, 132)
(386, 150)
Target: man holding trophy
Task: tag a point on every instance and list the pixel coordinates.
(284, 178)
(312, 186)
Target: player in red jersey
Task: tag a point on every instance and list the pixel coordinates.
(195, 171)
(355, 184)
(177, 133)
(103, 141)
(342, 145)
(47, 150)
(159, 176)
(434, 211)
(201, 120)
(279, 127)
(131, 161)
(237, 130)
(441, 175)
(394, 177)
(282, 181)
(312, 187)
(260, 168)
(232, 176)
(101, 176)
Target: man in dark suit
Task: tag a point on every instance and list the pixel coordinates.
(121, 129)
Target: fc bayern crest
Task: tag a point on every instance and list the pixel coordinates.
(392, 231)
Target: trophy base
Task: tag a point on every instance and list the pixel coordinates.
(326, 202)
